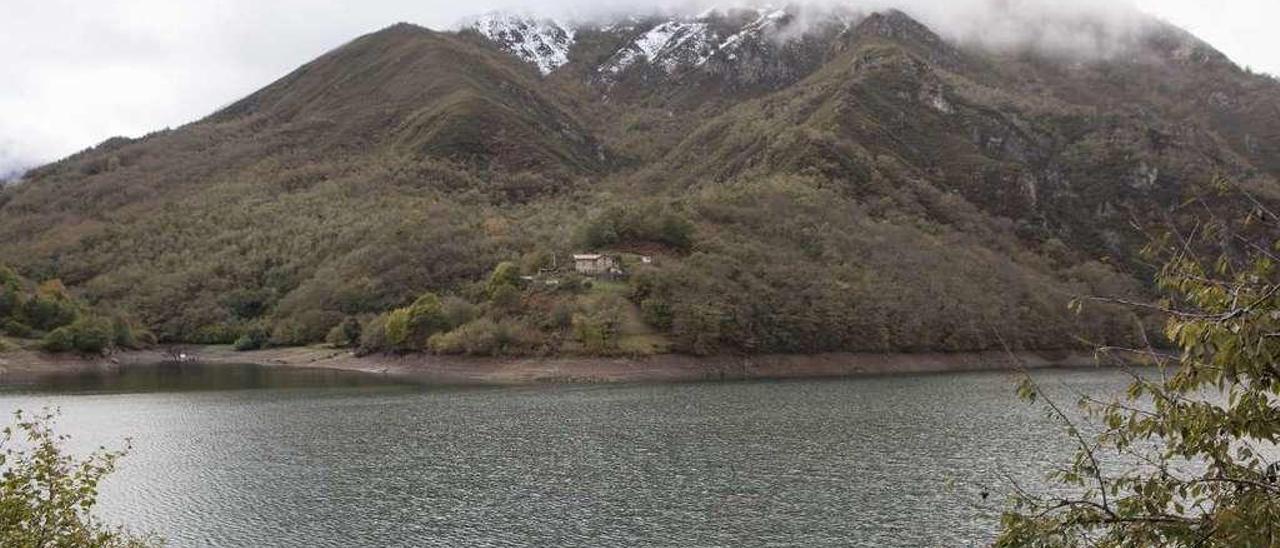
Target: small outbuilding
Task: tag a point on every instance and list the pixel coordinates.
(595, 264)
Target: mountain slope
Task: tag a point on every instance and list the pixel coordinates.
(851, 182)
(295, 177)
(1063, 163)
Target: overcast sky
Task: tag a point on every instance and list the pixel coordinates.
(75, 72)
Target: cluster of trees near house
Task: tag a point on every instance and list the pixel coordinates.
(507, 314)
(49, 313)
(781, 264)
(766, 267)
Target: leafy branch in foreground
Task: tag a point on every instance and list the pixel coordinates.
(46, 496)
(1186, 457)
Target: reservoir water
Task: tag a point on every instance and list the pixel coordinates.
(257, 457)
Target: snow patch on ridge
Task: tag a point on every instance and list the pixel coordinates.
(691, 42)
(767, 20)
(670, 43)
(543, 42)
(667, 45)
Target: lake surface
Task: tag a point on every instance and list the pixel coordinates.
(247, 456)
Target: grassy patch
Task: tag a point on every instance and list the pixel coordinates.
(601, 288)
(644, 344)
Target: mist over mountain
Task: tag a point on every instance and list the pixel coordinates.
(1088, 29)
(9, 173)
(804, 178)
(11, 166)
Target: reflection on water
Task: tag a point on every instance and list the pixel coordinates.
(189, 376)
(860, 462)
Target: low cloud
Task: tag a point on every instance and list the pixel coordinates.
(12, 164)
(1079, 28)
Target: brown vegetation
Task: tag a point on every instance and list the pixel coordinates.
(885, 192)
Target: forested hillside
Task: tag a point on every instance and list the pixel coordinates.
(857, 183)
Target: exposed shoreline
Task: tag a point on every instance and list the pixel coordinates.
(19, 367)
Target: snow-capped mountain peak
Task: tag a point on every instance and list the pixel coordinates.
(672, 44)
(692, 41)
(543, 42)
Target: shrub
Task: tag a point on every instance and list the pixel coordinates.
(458, 311)
(373, 336)
(217, 333)
(697, 330)
(506, 299)
(126, 334)
(591, 334)
(10, 301)
(397, 329)
(597, 327)
(656, 312)
(46, 312)
(58, 340)
(408, 328)
(305, 328)
(1184, 457)
(146, 338)
(86, 335)
(254, 338)
(9, 278)
(48, 496)
(506, 274)
(248, 303)
(598, 232)
(245, 343)
(92, 335)
(533, 261)
(560, 317)
(637, 224)
(345, 334)
(122, 334)
(675, 231)
(477, 338)
(15, 328)
(485, 337)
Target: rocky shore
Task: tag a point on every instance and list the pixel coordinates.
(23, 366)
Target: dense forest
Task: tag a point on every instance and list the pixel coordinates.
(61, 322)
(867, 186)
